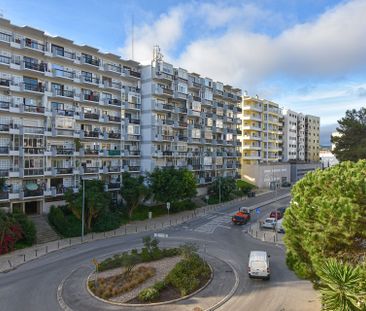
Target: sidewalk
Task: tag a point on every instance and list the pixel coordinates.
(16, 258)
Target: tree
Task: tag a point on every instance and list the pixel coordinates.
(134, 191)
(97, 200)
(341, 287)
(326, 219)
(10, 232)
(351, 143)
(224, 187)
(172, 185)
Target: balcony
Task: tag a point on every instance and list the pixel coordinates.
(91, 134)
(89, 115)
(113, 102)
(32, 193)
(34, 45)
(33, 151)
(59, 73)
(4, 196)
(63, 93)
(114, 186)
(33, 109)
(4, 172)
(112, 85)
(4, 150)
(33, 171)
(63, 170)
(114, 118)
(4, 82)
(63, 54)
(42, 67)
(33, 87)
(90, 61)
(112, 169)
(5, 37)
(91, 97)
(91, 152)
(132, 137)
(91, 169)
(114, 152)
(113, 68)
(114, 135)
(63, 112)
(91, 80)
(4, 105)
(4, 127)
(64, 151)
(134, 121)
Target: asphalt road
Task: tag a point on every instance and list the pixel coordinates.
(33, 286)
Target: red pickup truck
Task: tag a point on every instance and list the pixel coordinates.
(241, 217)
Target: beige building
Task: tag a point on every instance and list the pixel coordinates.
(261, 127)
(312, 136)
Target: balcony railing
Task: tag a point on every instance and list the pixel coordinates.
(5, 37)
(114, 101)
(34, 109)
(34, 87)
(34, 44)
(4, 172)
(5, 59)
(65, 93)
(4, 150)
(114, 85)
(114, 185)
(63, 53)
(4, 82)
(93, 98)
(33, 150)
(90, 79)
(91, 134)
(114, 152)
(64, 151)
(34, 66)
(64, 170)
(4, 104)
(33, 193)
(33, 171)
(90, 61)
(113, 68)
(62, 112)
(114, 119)
(63, 73)
(89, 115)
(91, 151)
(4, 127)
(114, 135)
(114, 169)
(91, 169)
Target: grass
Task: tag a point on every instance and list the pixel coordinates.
(118, 284)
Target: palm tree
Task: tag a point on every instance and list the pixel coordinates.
(341, 287)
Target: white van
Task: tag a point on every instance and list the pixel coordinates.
(279, 226)
(258, 265)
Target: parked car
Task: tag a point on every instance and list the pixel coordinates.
(276, 214)
(286, 184)
(282, 210)
(279, 227)
(269, 223)
(258, 265)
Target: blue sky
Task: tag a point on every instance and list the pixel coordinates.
(307, 55)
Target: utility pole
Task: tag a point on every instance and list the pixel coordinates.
(219, 189)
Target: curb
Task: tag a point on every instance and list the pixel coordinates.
(135, 305)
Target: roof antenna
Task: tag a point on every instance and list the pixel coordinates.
(132, 38)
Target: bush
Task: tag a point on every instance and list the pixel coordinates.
(244, 186)
(148, 294)
(186, 276)
(107, 221)
(64, 223)
(182, 206)
(213, 199)
(28, 229)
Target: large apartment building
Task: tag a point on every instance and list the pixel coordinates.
(293, 136)
(261, 131)
(67, 112)
(312, 133)
(188, 121)
(70, 112)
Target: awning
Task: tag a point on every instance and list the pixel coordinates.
(32, 186)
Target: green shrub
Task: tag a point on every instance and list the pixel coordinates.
(213, 199)
(148, 294)
(107, 221)
(66, 224)
(182, 206)
(159, 285)
(244, 186)
(187, 274)
(28, 228)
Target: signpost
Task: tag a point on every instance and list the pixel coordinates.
(257, 210)
(168, 206)
(96, 264)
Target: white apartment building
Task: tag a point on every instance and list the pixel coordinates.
(312, 137)
(67, 112)
(293, 136)
(188, 121)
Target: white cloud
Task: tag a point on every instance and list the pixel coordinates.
(165, 32)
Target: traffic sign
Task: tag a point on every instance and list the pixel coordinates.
(258, 210)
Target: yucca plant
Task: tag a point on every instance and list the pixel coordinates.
(341, 287)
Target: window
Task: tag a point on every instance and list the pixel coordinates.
(57, 50)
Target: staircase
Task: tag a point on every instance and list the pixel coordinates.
(45, 233)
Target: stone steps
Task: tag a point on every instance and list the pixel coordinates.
(45, 233)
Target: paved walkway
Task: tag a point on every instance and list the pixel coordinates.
(16, 258)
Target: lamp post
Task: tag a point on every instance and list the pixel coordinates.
(219, 189)
(83, 212)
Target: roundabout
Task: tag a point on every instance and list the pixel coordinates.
(74, 294)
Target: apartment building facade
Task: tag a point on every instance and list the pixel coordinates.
(67, 113)
(312, 137)
(261, 131)
(293, 136)
(188, 121)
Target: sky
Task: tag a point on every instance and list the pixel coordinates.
(306, 55)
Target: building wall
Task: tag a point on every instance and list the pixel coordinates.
(290, 135)
(299, 170)
(312, 133)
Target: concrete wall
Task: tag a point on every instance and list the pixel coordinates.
(299, 170)
(262, 175)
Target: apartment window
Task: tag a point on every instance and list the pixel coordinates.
(88, 76)
(58, 50)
